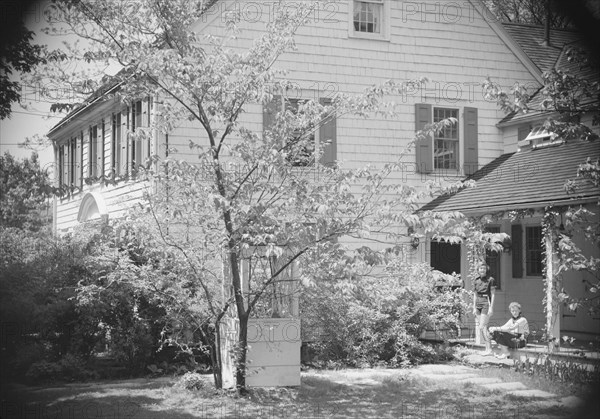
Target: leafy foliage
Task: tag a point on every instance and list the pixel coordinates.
(17, 54)
(24, 192)
(567, 371)
(568, 99)
(203, 222)
(529, 11)
(380, 318)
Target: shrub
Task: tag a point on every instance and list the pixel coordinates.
(191, 381)
(380, 318)
(69, 368)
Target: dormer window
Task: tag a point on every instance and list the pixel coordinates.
(537, 137)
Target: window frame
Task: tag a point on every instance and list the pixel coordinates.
(282, 100)
(526, 252)
(310, 155)
(457, 128)
(384, 33)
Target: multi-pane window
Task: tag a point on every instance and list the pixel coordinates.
(303, 141)
(302, 144)
(445, 154)
(368, 16)
(534, 251)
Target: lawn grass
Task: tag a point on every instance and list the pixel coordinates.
(369, 393)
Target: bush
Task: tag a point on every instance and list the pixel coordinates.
(69, 368)
(191, 381)
(379, 319)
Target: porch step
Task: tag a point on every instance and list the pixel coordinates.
(532, 351)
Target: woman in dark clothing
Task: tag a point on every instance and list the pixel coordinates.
(484, 293)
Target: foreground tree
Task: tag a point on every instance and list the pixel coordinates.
(239, 221)
(17, 54)
(25, 191)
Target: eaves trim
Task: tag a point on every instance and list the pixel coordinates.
(538, 204)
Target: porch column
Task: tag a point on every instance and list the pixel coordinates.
(552, 307)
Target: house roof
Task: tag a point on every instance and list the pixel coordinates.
(531, 39)
(111, 84)
(546, 57)
(531, 178)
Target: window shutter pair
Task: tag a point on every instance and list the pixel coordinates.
(327, 130)
(424, 147)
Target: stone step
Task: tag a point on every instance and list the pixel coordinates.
(443, 369)
(532, 393)
(480, 380)
(441, 377)
(515, 385)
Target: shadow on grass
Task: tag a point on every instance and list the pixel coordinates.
(102, 400)
(393, 396)
(323, 394)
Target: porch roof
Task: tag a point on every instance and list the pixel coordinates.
(531, 178)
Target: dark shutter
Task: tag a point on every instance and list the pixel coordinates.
(270, 110)
(424, 147)
(66, 164)
(102, 157)
(328, 136)
(91, 153)
(80, 172)
(124, 143)
(471, 153)
(517, 250)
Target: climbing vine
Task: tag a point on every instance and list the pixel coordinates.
(568, 256)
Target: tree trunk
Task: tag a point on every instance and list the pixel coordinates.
(240, 368)
(215, 357)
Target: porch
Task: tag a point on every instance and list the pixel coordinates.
(582, 352)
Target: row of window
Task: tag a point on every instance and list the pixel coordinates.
(440, 152)
(527, 252)
(118, 155)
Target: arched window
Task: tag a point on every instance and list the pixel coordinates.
(92, 207)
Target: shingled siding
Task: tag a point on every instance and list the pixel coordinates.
(455, 53)
(455, 48)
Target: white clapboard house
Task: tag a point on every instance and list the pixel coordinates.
(347, 46)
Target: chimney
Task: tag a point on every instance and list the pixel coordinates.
(546, 42)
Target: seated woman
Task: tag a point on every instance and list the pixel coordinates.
(513, 334)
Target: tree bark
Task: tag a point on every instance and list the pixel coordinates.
(240, 368)
(215, 357)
